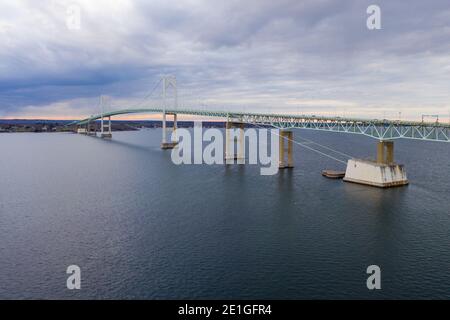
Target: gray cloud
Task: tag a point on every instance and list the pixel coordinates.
(311, 56)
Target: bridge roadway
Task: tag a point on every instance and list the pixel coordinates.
(375, 128)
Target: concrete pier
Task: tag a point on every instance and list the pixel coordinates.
(106, 135)
(383, 172)
(106, 132)
(231, 140)
(91, 129)
(168, 145)
(385, 152)
(286, 137)
(164, 143)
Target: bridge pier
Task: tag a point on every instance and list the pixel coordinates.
(91, 129)
(286, 136)
(81, 130)
(172, 143)
(106, 130)
(385, 152)
(383, 172)
(231, 140)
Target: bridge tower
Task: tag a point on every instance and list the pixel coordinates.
(106, 130)
(167, 83)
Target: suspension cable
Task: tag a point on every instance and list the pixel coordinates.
(309, 148)
(328, 148)
(149, 94)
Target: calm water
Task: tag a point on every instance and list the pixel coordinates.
(141, 227)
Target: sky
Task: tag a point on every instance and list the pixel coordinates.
(300, 56)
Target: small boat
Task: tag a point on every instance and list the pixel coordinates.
(332, 174)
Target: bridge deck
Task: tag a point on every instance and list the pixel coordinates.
(375, 128)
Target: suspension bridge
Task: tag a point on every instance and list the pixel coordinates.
(384, 172)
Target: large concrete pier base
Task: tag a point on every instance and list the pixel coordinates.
(106, 135)
(375, 174)
(383, 173)
(168, 145)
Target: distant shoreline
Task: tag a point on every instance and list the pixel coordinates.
(38, 126)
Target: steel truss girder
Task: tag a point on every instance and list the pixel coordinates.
(378, 129)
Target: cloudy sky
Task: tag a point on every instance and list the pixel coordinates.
(307, 56)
